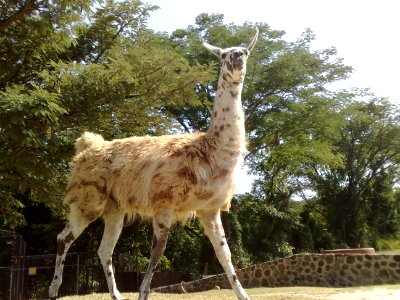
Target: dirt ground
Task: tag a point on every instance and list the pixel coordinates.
(374, 294)
(360, 293)
(386, 292)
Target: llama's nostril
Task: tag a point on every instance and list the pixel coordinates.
(238, 54)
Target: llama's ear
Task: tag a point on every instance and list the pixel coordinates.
(251, 44)
(217, 51)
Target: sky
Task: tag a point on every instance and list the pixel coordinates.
(365, 33)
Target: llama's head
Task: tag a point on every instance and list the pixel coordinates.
(233, 59)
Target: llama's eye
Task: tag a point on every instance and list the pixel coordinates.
(246, 52)
(223, 55)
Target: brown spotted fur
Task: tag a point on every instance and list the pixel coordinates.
(146, 174)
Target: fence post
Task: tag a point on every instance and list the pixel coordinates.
(16, 268)
(77, 273)
(11, 283)
(13, 253)
(23, 269)
(137, 269)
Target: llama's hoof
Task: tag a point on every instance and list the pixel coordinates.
(144, 296)
(119, 297)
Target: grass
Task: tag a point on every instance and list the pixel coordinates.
(281, 293)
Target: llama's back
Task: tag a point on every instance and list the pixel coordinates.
(144, 169)
(148, 174)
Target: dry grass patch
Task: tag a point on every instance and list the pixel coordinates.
(387, 292)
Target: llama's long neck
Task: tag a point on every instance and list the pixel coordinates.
(228, 119)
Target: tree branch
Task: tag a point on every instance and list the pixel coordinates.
(102, 51)
(25, 9)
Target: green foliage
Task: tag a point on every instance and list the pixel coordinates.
(164, 264)
(184, 247)
(67, 69)
(265, 228)
(291, 117)
(327, 163)
(26, 120)
(234, 234)
(389, 244)
(357, 198)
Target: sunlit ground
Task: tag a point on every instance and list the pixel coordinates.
(381, 292)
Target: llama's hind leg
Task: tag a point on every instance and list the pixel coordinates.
(161, 225)
(113, 223)
(77, 223)
(211, 221)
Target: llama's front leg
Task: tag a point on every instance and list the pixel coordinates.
(211, 221)
(113, 223)
(161, 225)
(64, 240)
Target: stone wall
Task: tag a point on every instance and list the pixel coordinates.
(328, 270)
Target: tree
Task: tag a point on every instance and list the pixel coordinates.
(265, 230)
(83, 67)
(289, 110)
(292, 123)
(69, 67)
(358, 197)
(33, 34)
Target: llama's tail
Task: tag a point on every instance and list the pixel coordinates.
(88, 140)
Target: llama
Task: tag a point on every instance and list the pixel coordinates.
(166, 178)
